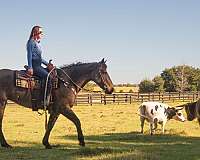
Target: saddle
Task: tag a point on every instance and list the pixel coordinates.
(24, 80)
(35, 86)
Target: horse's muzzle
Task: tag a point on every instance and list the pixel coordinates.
(109, 91)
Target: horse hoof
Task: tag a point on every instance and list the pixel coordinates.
(82, 144)
(48, 147)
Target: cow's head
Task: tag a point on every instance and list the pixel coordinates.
(175, 113)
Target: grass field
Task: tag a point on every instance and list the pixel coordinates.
(111, 132)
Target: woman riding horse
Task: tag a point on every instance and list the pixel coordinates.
(72, 79)
(35, 60)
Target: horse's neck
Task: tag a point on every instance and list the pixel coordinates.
(81, 82)
(80, 75)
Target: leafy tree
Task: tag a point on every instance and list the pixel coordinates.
(130, 91)
(169, 80)
(146, 86)
(181, 78)
(158, 84)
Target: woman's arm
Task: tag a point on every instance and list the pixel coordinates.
(29, 54)
(44, 62)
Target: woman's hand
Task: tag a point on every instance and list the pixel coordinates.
(30, 71)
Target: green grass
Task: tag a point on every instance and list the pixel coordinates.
(111, 133)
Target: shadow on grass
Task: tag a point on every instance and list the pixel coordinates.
(108, 146)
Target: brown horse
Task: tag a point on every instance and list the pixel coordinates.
(73, 78)
(192, 110)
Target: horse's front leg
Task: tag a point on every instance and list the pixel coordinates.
(52, 119)
(3, 101)
(68, 113)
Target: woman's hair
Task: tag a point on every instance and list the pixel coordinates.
(34, 31)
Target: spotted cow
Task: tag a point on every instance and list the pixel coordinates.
(156, 112)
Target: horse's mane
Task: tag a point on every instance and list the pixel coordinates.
(65, 66)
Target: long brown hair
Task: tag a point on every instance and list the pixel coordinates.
(34, 31)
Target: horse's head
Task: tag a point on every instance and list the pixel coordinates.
(190, 110)
(102, 78)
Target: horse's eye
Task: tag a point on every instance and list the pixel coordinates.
(179, 114)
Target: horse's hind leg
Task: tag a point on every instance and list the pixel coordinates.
(3, 102)
(52, 119)
(68, 113)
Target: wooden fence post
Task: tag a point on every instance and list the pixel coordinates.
(91, 99)
(104, 99)
(126, 98)
(88, 98)
(159, 96)
(113, 98)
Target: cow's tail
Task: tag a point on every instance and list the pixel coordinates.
(141, 111)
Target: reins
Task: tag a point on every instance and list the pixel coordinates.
(67, 83)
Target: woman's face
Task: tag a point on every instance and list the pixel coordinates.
(40, 34)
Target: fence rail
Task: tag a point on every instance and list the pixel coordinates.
(128, 98)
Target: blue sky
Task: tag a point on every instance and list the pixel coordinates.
(139, 38)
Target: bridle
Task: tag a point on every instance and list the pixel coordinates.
(102, 78)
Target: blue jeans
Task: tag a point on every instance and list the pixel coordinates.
(42, 74)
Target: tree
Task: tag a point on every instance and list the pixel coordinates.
(146, 86)
(158, 84)
(181, 78)
(169, 78)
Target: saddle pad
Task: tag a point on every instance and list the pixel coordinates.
(25, 81)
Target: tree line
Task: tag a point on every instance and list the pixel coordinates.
(175, 79)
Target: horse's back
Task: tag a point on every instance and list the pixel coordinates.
(6, 78)
(5, 72)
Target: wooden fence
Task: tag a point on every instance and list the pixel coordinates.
(128, 98)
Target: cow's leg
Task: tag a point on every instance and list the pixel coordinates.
(151, 128)
(163, 127)
(155, 122)
(3, 102)
(68, 113)
(52, 119)
(142, 119)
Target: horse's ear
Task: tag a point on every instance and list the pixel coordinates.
(103, 61)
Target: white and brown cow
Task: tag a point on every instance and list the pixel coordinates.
(156, 112)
